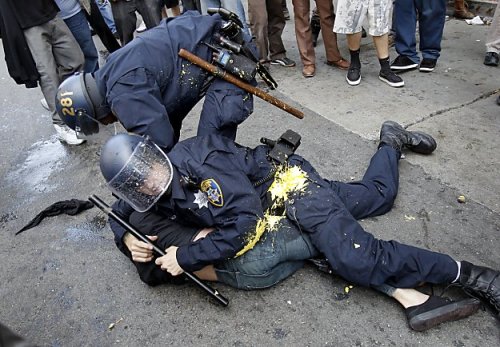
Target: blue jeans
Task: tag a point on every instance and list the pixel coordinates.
(431, 17)
(80, 30)
(277, 256)
(107, 14)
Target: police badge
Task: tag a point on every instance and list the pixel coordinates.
(213, 191)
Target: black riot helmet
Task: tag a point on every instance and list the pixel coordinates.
(136, 170)
(80, 104)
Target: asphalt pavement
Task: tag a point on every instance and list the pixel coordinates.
(64, 283)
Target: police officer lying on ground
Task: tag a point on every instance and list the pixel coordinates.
(150, 89)
(258, 207)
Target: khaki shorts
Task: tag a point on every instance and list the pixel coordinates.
(352, 13)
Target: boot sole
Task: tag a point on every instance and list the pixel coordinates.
(448, 313)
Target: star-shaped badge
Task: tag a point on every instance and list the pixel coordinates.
(201, 199)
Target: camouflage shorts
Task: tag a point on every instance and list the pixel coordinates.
(352, 13)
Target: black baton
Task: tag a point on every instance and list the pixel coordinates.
(107, 209)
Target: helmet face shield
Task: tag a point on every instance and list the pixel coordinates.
(144, 178)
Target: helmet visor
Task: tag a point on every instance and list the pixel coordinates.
(145, 177)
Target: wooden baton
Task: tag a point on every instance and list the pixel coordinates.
(220, 73)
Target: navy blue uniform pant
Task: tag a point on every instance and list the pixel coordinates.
(225, 106)
(328, 212)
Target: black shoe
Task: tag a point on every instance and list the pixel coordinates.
(437, 310)
(283, 62)
(498, 100)
(353, 76)
(491, 59)
(482, 283)
(427, 65)
(394, 135)
(391, 78)
(403, 63)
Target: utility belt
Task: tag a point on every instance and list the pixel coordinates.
(233, 53)
(280, 151)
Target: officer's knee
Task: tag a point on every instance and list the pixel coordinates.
(147, 278)
(388, 195)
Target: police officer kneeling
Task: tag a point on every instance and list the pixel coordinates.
(148, 88)
(259, 208)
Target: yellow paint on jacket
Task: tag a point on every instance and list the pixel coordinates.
(287, 179)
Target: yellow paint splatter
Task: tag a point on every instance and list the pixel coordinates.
(287, 179)
(268, 223)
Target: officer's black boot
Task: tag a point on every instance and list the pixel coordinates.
(396, 136)
(482, 283)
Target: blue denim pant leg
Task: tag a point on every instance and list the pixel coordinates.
(107, 14)
(405, 25)
(431, 20)
(276, 256)
(81, 31)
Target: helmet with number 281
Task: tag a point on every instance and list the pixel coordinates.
(80, 104)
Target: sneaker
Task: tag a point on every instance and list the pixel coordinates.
(353, 76)
(403, 63)
(391, 78)
(283, 62)
(141, 28)
(437, 310)
(286, 14)
(427, 65)
(44, 104)
(65, 134)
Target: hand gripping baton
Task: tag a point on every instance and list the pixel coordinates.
(219, 72)
(107, 209)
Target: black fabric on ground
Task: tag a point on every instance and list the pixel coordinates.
(70, 207)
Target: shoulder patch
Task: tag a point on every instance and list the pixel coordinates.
(213, 191)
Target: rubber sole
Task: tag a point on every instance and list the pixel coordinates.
(448, 313)
(353, 83)
(392, 84)
(404, 68)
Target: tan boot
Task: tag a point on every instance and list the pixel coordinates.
(461, 10)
